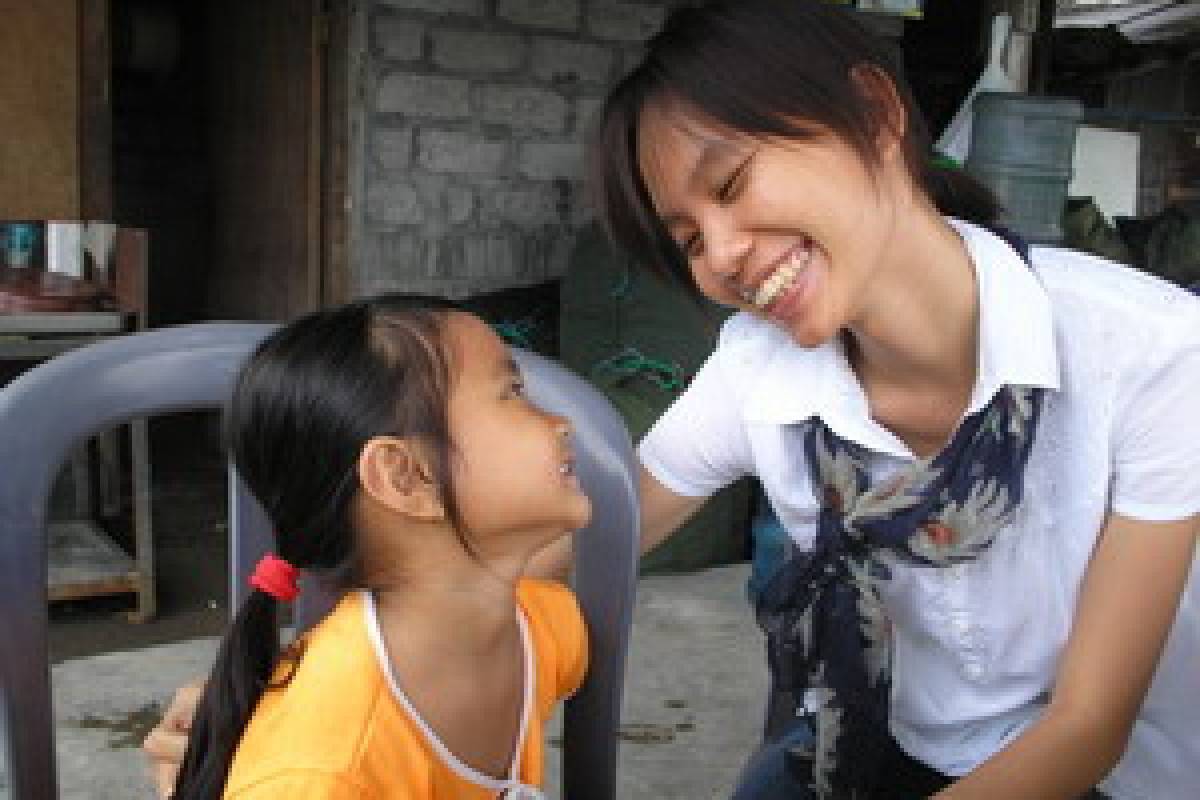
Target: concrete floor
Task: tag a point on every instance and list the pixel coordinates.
(693, 705)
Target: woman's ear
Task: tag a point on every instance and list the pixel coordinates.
(891, 121)
(395, 473)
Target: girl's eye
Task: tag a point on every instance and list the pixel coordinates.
(517, 387)
(692, 246)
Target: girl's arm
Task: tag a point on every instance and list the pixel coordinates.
(1127, 604)
(663, 512)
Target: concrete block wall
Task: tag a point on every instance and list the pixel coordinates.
(468, 124)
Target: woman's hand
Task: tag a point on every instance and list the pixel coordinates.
(167, 743)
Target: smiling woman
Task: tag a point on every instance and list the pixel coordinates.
(984, 455)
(977, 449)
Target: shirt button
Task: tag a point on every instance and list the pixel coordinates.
(973, 670)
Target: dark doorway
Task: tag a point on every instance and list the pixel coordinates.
(218, 130)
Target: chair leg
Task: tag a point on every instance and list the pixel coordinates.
(26, 712)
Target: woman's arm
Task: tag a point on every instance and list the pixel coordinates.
(1127, 604)
(166, 744)
(662, 512)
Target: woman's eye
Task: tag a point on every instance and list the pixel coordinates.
(692, 246)
(729, 188)
(517, 387)
(725, 192)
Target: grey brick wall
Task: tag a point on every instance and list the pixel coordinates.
(468, 119)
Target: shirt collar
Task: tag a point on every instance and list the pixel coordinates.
(1016, 347)
(1016, 322)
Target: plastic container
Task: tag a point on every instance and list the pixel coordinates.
(1023, 147)
(955, 141)
(21, 244)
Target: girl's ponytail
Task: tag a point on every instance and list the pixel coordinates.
(239, 676)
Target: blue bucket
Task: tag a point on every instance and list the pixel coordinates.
(1022, 147)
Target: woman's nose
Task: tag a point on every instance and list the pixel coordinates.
(725, 248)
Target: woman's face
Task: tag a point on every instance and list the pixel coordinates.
(790, 230)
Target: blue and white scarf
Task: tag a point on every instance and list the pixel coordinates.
(828, 636)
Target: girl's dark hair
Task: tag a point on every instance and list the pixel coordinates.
(304, 405)
(764, 68)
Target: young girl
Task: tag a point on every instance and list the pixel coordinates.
(986, 458)
(392, 446)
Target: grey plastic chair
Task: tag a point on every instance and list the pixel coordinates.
(47, 410)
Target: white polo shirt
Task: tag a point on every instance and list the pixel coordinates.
(976, 645)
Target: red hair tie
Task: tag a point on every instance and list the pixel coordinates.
(276, 577)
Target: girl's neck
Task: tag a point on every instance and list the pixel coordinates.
(454, 643)
(471, 599)
(918, 327)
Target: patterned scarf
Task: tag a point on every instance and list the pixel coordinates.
(828, 636)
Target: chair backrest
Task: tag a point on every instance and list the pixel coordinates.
(50, 408)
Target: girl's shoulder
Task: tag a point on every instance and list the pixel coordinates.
(549, 601)
(317, 715)
(558, 633)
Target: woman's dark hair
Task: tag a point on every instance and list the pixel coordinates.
(765, 68)
(304, 405)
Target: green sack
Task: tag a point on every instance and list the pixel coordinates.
(1085, 228)
(1173, 249)
(639, 340)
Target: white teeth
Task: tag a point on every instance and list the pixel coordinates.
(781, 278)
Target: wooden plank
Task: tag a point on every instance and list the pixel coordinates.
(84, 562)
(130, 267)
(39, 110)
(143, 544)
(95, 111)
(335, 268)
(266, 247)
(50, 323)
(26, 349)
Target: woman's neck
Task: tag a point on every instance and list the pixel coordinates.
(918, 327)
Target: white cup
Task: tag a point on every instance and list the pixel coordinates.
(64, 248)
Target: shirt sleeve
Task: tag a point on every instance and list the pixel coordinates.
(307, 784)
(699, 445)
(571, 633)
(1157, 440)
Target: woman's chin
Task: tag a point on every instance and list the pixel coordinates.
(809, 333)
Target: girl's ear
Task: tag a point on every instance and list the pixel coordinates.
(394, 473)
(891, 122)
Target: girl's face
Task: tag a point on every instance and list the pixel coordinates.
(513, 467)
(790, 230)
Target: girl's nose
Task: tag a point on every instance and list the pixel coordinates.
(562, 425)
